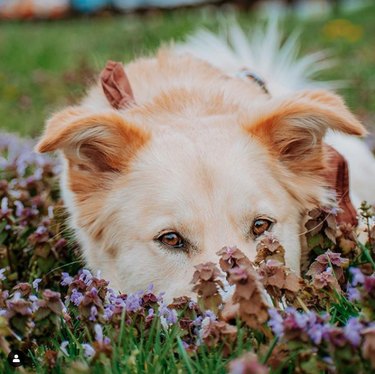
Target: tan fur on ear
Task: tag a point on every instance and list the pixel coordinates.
(56, 125)
(351, 125)
(97, 142)
(295, 127)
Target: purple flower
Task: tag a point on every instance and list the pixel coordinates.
(36, 284)
(297, 319)
(119, 303)
(353, 294)
(315, 333)
(111, 295)
(38, 174)
(276, 322)
(89, 351)
(352, 331)
(76, 297)
(19, 208)
(198, 321)
(151, 312)
(66, 279)
(2, 276)
(160, 297)
(63, 346)
(184, 344)
(133, 301)
(333, 210)
(93, 292)
(35, 305)
(86, 276)
(93, 313)
(167, 315)
(358, 276)
(211, 315)
(41, 230)
(108, 312)
(192, 304)
(99, 335)
(4, 205)
(16, 296)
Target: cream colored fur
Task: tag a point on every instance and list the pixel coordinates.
(200, 153)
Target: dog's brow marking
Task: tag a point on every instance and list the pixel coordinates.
(98, 234)
(112, 251)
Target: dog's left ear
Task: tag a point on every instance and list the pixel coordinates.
(294, 128)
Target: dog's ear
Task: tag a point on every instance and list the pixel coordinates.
(294, 128)
(100, 142)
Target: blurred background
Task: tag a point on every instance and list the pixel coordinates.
(50, 50)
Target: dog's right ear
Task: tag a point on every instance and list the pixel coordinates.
(96, 142)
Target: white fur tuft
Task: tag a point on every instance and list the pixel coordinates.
(263, 53)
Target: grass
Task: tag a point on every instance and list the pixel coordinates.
(47, 65)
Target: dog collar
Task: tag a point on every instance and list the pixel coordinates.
(247, 74)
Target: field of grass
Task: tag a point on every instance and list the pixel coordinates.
(46, 65)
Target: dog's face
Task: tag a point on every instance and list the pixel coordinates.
(151, 201)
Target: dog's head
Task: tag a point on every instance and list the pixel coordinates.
(154, 190)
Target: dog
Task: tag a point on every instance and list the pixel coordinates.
(186, 156)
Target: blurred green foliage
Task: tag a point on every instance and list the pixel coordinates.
(46, 65)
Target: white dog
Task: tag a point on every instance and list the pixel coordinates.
(198, 153)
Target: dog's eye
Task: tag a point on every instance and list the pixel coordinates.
(260, 225)
(171, 239)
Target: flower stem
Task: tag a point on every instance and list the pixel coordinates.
(270, 350)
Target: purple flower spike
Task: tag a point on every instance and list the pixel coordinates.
(133, 302)
(211, 315)
(358, 276)
(168, 315)
(4, 205)
(36, 284)
(76, 297)
(108, 312)
(93, 313)
(99, 335)
(352, 331)
(66, 279)
(41, 230)
(2, 276)
(353, 294)
(89, 351)
(19, 208)
(86, 276)
(276, 322)
(315, 333)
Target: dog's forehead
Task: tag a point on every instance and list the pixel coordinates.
(204, 162)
